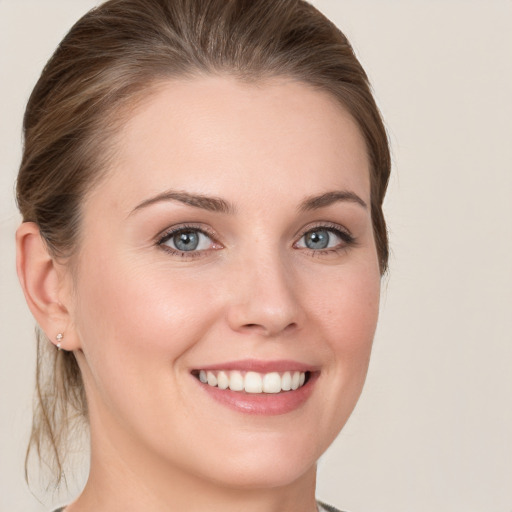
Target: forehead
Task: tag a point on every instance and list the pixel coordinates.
(217, 135)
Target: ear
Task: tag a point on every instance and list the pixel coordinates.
(46, 285)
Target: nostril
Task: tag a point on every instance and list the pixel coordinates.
(269, 331)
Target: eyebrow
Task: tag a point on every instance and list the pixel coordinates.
(328, 198)
(210, 203)
(216, 204)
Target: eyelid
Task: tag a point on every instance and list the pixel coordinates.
(327, 225)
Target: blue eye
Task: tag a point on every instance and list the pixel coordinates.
(322, 238)
(318, 239)
(187, 240)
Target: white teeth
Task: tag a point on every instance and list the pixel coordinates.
(212, 379)
(295, 380)
(236, 381)
(222, 380)
(253, 382)
(286, 381)
(272, 383)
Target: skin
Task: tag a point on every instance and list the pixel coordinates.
(140, 318)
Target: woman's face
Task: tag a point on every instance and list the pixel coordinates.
(231, 242)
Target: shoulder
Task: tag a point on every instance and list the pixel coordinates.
(322, 507)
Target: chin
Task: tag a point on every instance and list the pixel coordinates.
(263, 461)
(270, 473)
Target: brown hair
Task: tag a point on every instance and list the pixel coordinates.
(107, 61)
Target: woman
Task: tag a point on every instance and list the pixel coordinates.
(202, 246)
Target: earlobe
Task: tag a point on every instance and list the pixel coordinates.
(41, 281)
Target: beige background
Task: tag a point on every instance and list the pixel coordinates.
(433, 430)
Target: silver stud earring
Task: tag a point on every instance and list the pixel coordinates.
(59, 340)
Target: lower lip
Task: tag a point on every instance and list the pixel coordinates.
(262, 403)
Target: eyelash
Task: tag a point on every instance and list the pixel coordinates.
(348, 240)
(345, 236)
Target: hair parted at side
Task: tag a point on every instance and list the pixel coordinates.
(110, 59)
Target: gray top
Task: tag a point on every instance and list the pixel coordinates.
(322, 507)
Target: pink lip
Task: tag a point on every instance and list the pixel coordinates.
(262, 404)
(257, 365)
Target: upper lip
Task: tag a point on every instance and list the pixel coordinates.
(260, 366)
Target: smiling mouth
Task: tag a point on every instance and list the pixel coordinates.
(253, 382)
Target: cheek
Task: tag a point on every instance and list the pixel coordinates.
(348, 314)
(348, 309)
(131, 316)
(357, 323)
(342, 315)
(137, 322)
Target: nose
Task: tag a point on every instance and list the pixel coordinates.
(265, 298)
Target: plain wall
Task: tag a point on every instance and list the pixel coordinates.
(433, 429)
